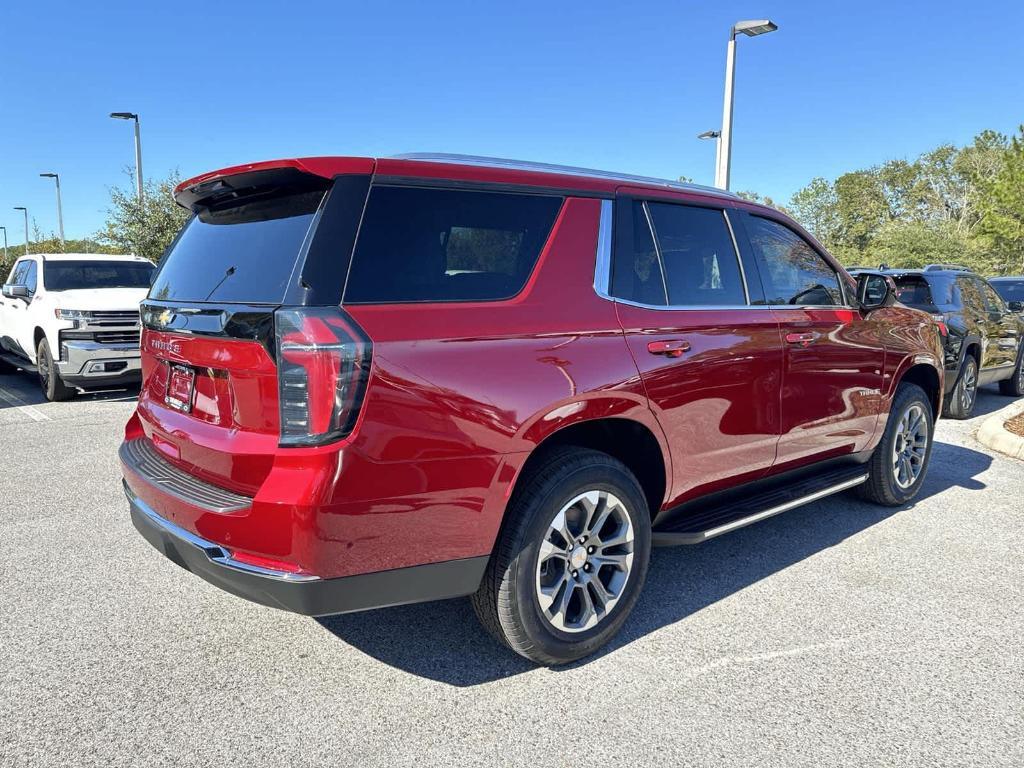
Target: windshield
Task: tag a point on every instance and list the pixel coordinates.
(1010, 290)
(93, 273)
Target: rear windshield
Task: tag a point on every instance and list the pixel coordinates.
(245, 253)
(87, 274)
(1010, 290)
(913, 291)
(420, 244)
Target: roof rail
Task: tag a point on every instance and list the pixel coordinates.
(564, 170)
(947, 267)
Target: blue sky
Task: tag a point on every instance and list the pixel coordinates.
(622, 86)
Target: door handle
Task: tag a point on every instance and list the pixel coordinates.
(803, 339)
(670, 348)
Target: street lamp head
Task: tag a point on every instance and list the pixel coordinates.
(20, 208)
(753, 28)
(48, 175)
(709, 135)
(124, 115)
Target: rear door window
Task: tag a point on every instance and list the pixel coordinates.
(427, 244)
(793, 272)
(244, 253)
(697, 253)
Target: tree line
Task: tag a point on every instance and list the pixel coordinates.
(962, 205)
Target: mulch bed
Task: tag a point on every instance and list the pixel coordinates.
(1016, 425)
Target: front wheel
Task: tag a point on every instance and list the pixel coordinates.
(571, 559)
(899, 464)
(50, 381)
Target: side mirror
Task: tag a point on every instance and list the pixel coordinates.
(875, 291)
(1015, 306)
(16, 291)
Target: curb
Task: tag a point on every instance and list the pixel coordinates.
(997, 437)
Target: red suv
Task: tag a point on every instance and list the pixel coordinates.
(373, 382)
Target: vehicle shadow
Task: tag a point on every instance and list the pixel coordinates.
(443, 641)
(20, 388)
(989, 401)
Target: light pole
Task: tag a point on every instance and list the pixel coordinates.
(5, 243)
(750, 29)
(60, 212)
(25, 211)
(717, 136)
(138, 147)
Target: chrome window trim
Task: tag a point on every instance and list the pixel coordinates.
(603, 267)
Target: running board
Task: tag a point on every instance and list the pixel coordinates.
(721, 518)
(18, 362)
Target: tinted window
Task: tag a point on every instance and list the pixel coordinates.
(791, 270)
(970, 294)
(697, 254)
(992, 299)
(913, 290)
(245, 253)
(447, 245)
(636, 273)
(1010, 290)
(88, 274)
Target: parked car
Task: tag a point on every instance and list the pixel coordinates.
(1012, 291)
(73, 319)
(981, 334)
(373, 382)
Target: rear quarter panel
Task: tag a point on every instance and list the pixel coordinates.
(459, 396)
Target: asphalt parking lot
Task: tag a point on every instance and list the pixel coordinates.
(836, 634)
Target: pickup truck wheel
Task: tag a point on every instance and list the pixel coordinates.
(899, 464)
(1014, 386)
(571, 560)
(50, 381)
(960, 403)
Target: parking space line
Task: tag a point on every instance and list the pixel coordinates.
(16, 402)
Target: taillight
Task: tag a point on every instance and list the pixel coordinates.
(940, 321)
(323, 363)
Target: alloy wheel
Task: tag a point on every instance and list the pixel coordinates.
(585, 560)
(910, 447)
(968, 389)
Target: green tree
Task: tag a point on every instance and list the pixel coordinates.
(1002, 211)
(816, 207)
(144, 228)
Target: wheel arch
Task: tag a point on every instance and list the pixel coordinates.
(926, 376)
(640, 446)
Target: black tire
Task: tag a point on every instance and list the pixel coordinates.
(507, 601)
(1014, 386)
(50, 381)
(883, 486)
(960, 403)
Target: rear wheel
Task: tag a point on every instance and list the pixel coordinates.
(960, 403)
(50, 381)
(571, 560)
(899, 464)
(1014, 386)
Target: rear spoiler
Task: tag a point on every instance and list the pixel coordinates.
(231, 185)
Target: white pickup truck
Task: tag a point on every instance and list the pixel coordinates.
(74, 319)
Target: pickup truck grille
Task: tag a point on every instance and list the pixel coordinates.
(100, 319)
(116, 337)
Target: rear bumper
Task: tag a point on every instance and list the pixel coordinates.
(89, 363)
(300, 592)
